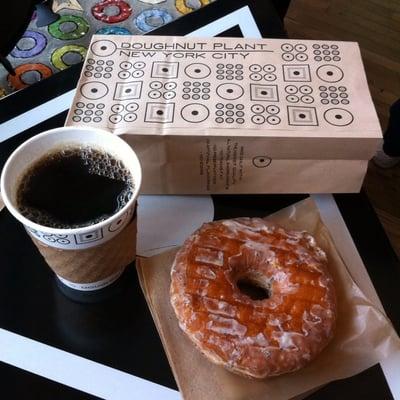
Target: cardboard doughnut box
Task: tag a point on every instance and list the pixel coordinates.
(232, 115)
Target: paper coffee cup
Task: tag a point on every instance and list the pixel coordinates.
(70, 251)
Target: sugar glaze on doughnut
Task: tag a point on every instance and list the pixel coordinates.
(255, 338)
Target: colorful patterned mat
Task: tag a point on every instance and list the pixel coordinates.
(44, 51)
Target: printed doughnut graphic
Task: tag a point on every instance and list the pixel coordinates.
(103, 48)
(287, 57)
(156, 85)
(99, 11)
(18, 81)
(89, 237)
(230, 91)
(263, 92)
(292, 98)
(81, 28)
(154, 94)
(88, 112)
(58, 56)
(301, 57)
(258, 119)
(130, 117)
(115, 118)
(132, 107)
(335, 95)
(338, 117)
(94, 90)
(257, 108)
(125, 65)
(113, 30)
(261, 161)
(305, 89)
(329, 73)
(159, 112)
(197, 71)
(255, 76)
(164, 69)
(255, 68)
(300, 47)
(137, 74)
(326, 52)
(272, 109)
(117, 108)
(296, 73)
(195, 113)
(269, 68)
(118, 224)
(52, 238)
(39, 43)
(151, 19)
(158, 90)
(139, 65)
(302, 116)
(273, 120)
(127, 90)
(307, 99)
(170, 85)
(169, 95)
(291, 89)
(270, 77)
(229, 72)
(287, 47)
(60, 240)
(183, 8)
(124, 74)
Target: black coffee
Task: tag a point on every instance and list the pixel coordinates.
(73, 187)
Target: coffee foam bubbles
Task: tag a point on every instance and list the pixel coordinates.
(99, 163)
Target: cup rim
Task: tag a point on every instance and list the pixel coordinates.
(67, 231)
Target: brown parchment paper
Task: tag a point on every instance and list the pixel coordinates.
(364, 336)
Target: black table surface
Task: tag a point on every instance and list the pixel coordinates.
(119, 332)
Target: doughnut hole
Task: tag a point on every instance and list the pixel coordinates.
(254, 286)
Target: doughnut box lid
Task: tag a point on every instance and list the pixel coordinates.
(231, 115)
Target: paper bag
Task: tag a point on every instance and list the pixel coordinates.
(232, 115)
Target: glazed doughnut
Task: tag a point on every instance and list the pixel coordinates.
(184, 9)
(256, 336)
(17, 81)
(58, 54)
(80, 30)
(124, 13)
(142, 19)
(40, 43)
